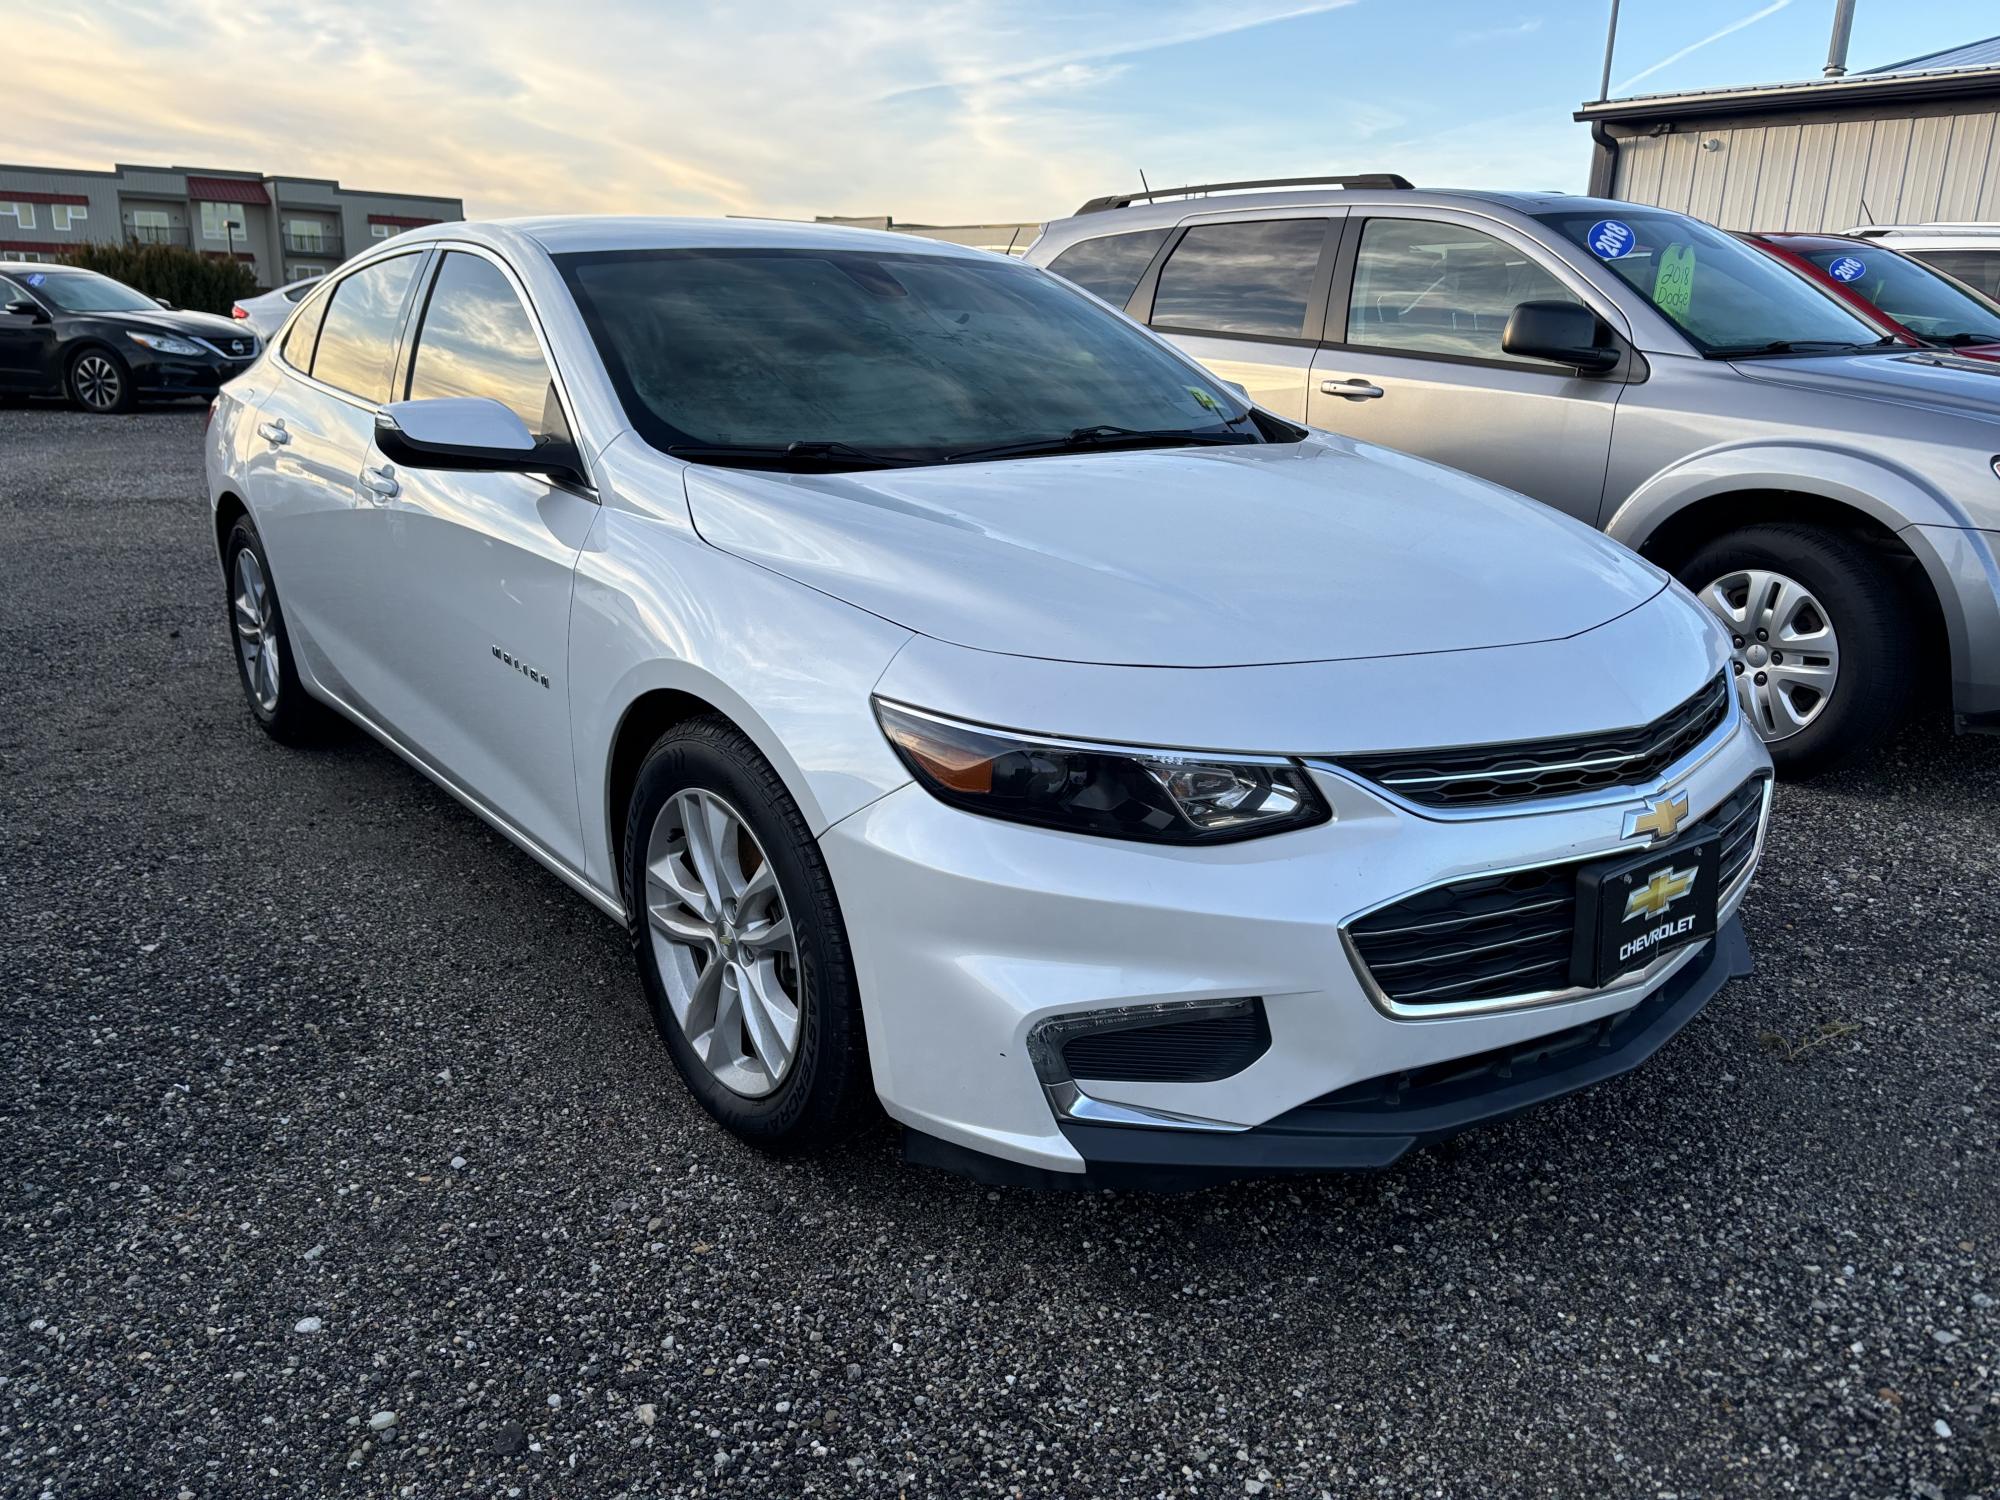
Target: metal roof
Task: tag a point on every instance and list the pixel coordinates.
(1981, 54)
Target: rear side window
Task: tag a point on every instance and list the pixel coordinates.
(1241, 278)
(1978, 269)
(357, 342)
(300, 337)
(1110, 267)
(1430, 288)
(477, 341)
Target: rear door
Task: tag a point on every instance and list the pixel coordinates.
(313, 432)
(1246, 296)
(1412, 357)
(478, 568)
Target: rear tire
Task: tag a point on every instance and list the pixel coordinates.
(99, 382)
(725, 996)
(263, 647)
(1833, 674)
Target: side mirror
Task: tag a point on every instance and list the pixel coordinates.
(1566, 332)
(468, 434)
(22, 307)
(164, 303)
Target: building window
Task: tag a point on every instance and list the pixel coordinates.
(304, 273)
(23, 214)
(223, 221)
(381, 231)
(306, 234)
(64, 216)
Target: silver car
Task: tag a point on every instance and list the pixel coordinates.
(1833, 497)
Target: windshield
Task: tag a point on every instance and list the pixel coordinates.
(86, 291)
(1729, 299)
(879, 355)
(1927, 304)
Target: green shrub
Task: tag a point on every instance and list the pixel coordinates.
(183, 277)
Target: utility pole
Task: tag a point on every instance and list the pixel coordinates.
(1610, 44)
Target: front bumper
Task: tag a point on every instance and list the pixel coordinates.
(969, 933)
(156, 374)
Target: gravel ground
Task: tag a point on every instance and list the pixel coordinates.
(338, 1157)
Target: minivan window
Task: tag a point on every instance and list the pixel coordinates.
(357, 341)
(1111, 265)
(477, 341)
(1435, 288)
(1978, 269)
(1728, 299)
(917, 356)
(1251, 278)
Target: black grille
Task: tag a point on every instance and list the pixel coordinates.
(1493, 936)
(1485, 775)
(1197, 1051)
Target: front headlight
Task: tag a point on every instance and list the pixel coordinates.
(1160, 796)
(163, 343)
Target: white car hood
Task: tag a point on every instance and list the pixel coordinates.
(1324, 550)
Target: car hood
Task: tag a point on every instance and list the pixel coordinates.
(200, 324)
(1944, 380)
(1196, 557)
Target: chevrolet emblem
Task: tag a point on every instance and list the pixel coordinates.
(1661, 890)
(1659, 821)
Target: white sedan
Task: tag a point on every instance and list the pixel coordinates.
(970, 704)
(266, 312)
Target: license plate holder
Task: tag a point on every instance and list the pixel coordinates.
(1632, 910)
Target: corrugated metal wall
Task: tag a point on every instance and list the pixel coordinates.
(1831, 175)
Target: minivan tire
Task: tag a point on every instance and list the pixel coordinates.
(1872, 618)
(826, 1094)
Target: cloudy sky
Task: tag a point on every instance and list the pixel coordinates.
(949, 111)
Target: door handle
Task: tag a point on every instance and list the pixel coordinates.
(381, 483)
(273, 433)
(1353, 389)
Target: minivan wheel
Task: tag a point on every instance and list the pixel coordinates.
(264, 665)
(99, 381)
(740, 943)
(1823, 649)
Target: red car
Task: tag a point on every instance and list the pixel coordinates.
(1904, 297)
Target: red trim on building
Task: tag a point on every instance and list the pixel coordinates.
(401, 222)
(9, 195)
(39, 247)
(227, 190)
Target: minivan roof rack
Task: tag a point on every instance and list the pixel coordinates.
(1361, 180)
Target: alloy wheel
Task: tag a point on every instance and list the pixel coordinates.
(723, 938)
(256, 630)
(1784, 652)
(98, 383)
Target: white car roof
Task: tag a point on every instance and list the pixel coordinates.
(570, 234)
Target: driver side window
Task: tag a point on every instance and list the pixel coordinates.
(1430, 288)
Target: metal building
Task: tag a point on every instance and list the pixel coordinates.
(1908, 143)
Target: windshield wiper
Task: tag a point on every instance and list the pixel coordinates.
(787, 455)
(1104, 435)
(1960, 340)
(1798, 346)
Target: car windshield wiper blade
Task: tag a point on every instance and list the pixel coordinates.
(1960, 340)
(1797, 346)
(785, 455)
(1104, 435)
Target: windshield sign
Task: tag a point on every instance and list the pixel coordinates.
(1729, 299)
(841, 358)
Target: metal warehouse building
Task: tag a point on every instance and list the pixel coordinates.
(1908, 143)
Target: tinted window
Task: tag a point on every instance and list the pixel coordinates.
(1241, 278)
(1978, 269)
(477, 341)
(1728, 299)
(299, 338)
(357, 342)
(1110, 267)
(1929, 305)
(911, 355)
(1439, 289)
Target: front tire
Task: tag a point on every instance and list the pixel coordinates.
(264, 665)
(1824, 644)
(740, 943)
(100, 382)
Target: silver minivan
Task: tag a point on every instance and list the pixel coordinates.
(1834, 497)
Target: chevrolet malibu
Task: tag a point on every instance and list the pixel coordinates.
(969, 704)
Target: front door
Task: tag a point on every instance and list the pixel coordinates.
(1414, 362)
(482, 565)
(27, 344)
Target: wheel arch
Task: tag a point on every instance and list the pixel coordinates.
(229, 508)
